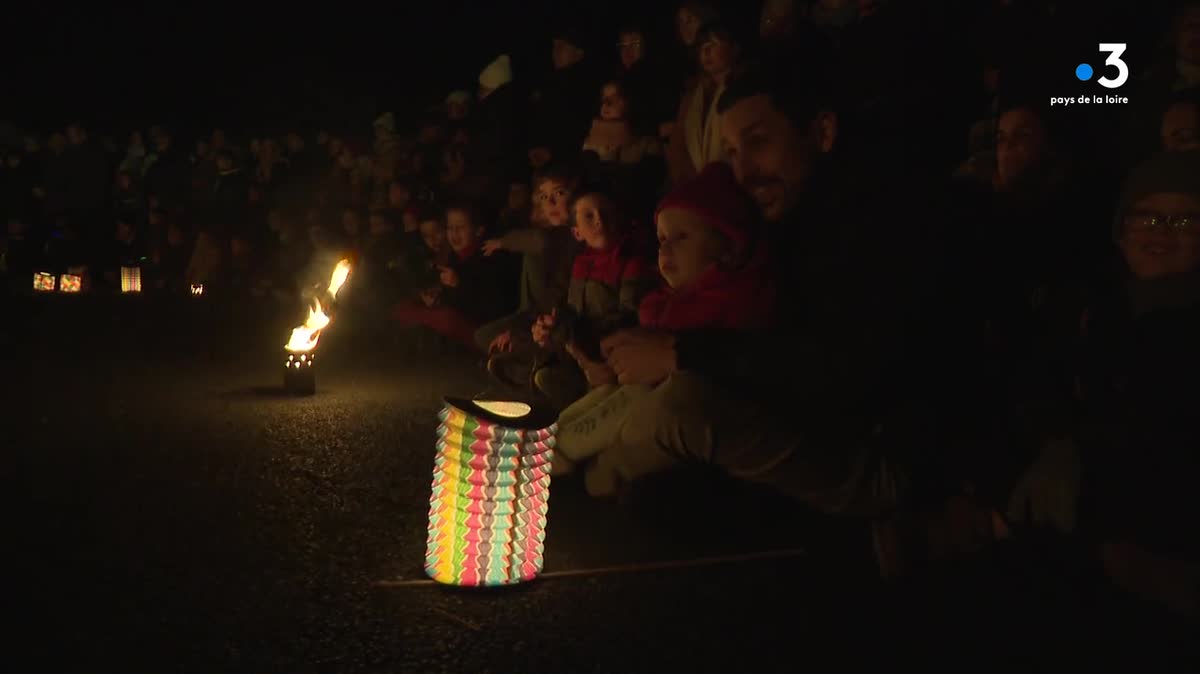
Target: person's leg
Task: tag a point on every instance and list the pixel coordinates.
(451, 323)
(562, 383)
(593, 423)
(686, 418)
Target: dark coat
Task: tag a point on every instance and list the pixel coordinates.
(89, 178)
(570, 98)
(480, 294)
(1140, 385)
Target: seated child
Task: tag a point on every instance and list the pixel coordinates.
(714, 277)
(127, 250)
(171, 259)
(468, 289)
(547, 249)
(609, 277)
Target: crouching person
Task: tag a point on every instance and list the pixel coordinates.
(705, 233)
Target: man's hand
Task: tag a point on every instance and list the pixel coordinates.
(502, 343)
(448, 276)
(598, 373)
(491, 246)
(640, 356)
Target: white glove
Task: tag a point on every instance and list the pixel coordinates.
(1048, 492)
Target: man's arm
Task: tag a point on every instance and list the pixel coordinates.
(525, 241)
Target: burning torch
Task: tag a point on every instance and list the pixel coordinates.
(299, 370)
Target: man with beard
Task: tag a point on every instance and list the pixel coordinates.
(834, 404)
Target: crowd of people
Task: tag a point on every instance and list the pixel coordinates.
(741, 249)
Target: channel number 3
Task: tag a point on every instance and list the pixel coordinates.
(1114, 49)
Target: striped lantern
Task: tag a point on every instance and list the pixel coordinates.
(131, 279)
(491, 493)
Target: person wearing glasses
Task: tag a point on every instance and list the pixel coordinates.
(1140, 387)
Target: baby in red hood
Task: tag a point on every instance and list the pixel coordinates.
(715, 277)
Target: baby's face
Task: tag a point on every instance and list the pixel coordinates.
(687, 247)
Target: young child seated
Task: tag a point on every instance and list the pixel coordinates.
(609, 277)
(547, 249)
(714, 277)
(468, 290)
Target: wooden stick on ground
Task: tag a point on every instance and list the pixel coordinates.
(630, 568)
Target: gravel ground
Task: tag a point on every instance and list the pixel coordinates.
(174, 511)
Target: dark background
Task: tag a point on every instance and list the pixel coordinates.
(260, 66)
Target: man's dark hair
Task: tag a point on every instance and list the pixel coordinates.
(716, 30)
(428, 211)
(466, 206)
(224, 154)
(797, 87)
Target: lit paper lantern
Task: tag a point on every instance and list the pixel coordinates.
(490, 493)
(70, 283)
(43, 281)
(131, 279)
(197, 288)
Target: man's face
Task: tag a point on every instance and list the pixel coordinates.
(552, 198)
(1161, 236)
(771, 158)
(1179, 127)
(456, 110)
(124, 231)
(76, 135)
(590, 227)
(631, 49)
(612, 103)
(1020, 145)
(294, 142)
(433, 234)
(1187, 45)
(124, 181)
(162, 142)
(460, 231)
(716, 56)
(687, 247)
(224, 163)
(687, 24)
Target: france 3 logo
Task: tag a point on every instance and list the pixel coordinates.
(1084, 72)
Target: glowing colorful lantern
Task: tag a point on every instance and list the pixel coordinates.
(43, 281)
(131, 279)
(70, 283)
(490, 494)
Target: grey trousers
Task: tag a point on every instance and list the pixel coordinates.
(631, 432)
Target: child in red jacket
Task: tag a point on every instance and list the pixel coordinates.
(609, 278)
(714, 277)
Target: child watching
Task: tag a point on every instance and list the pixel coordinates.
(547, 250)
(714, 277)
(608, 280)
(467, 291)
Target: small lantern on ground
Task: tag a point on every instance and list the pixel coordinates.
(197, 289)
(70, 283)
(43, 281)
(131, 279)
(490, 494)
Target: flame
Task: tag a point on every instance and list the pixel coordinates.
(340, 272)
(304, 338)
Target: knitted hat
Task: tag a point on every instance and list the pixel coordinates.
(1168, 172)
(715, 196)
(497, 73)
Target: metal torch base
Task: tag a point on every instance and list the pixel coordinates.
(300, 375)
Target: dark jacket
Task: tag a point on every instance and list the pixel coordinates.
(606, 289)
(562, 116)
(497, 130)
(547, 255)
(857, 347)
(479, 295)
(1140, 385)
(168, 179)
(230, 198)
(89, 177)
